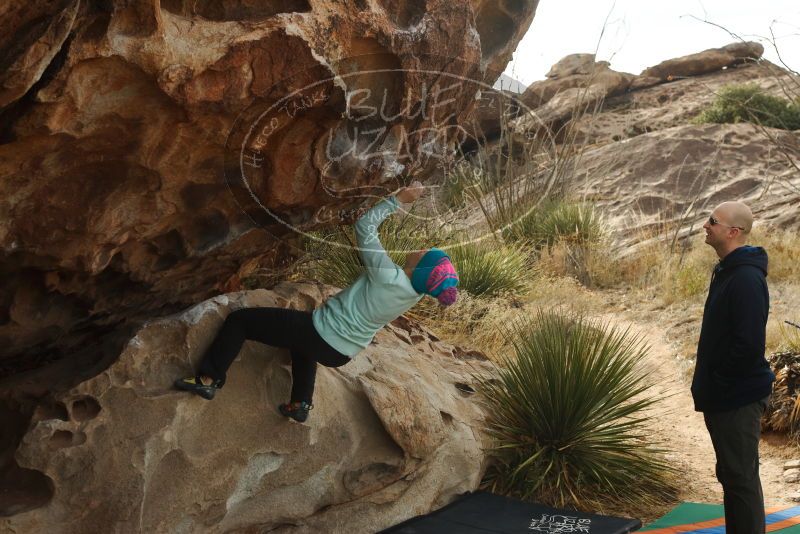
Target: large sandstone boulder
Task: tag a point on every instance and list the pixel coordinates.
(577, 84)
(393, 434)
(574, 64)
(126, 129)
(709, 60)
(572, 74)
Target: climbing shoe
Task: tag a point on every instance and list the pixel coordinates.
(195, 385)
(296, 410)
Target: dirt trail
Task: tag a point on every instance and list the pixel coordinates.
(683, 430)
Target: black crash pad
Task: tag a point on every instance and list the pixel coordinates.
(486, 513)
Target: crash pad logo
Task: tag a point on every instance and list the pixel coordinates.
(344, 136)
(557, 524)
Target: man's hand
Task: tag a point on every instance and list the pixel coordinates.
(411, 193)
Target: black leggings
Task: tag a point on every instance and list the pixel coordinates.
(279, 327)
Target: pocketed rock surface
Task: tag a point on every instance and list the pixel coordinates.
(393, 434)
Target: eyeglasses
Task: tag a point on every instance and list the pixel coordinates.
(713, 221)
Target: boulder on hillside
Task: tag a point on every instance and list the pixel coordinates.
(575, 85)
(394, 434)
(576, 71)
(709, 60)
(574, 64)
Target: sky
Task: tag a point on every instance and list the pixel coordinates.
(642, 33)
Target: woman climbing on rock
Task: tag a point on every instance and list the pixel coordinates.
(344, 324)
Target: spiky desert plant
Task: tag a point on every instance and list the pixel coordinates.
(557, 221)
(568, 415)
(489, 269)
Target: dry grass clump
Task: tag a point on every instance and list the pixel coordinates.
(676, 270)
(472, 322)
(783, 248)
(686, 277)
(790, 334)
(669, 270)
(477, 322)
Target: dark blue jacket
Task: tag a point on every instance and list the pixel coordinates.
(731, 370)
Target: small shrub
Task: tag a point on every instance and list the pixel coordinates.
(568, 417)
(489, 269)
(691, 280)
(557, 221)
(783, 248)
(749, 103)
(573, 260)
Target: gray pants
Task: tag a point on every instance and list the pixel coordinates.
(735, 436)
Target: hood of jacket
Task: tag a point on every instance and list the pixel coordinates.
(745, 255)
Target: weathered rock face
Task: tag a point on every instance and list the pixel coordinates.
(393, 434)
(116, 198)
(686, 171)
(574, 64)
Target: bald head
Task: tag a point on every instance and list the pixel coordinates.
(735, 214)
(728, 227)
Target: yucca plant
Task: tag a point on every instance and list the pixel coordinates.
(568, 416)
(557, 221)
(490, 269)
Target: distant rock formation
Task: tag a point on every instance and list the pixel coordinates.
(644, 162)
(395, 433)
(578, 82)
(576, 71)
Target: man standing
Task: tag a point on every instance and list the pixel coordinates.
(732, 379)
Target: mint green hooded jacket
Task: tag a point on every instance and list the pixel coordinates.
(349, 320)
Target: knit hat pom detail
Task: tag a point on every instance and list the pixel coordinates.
(448, 296)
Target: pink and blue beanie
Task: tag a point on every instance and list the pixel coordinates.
(436, 276)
